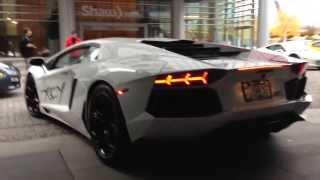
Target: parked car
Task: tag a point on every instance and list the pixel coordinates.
(9, 77)
(300, 49)
(118, 91)
(315, 45)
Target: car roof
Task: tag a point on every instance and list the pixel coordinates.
(128, 40)
(159, 40)
(163, 43)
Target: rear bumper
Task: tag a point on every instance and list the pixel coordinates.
(147, 126)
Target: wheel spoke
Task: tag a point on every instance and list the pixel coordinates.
(97, 115)
(31, 97)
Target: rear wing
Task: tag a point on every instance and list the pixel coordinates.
(268, 55)
(298, 66)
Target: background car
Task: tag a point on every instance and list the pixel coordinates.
(300, 49)
(9, 77)
(118, 91)
(315, 45)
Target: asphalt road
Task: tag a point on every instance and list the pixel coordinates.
(42, 149)
(313, 87)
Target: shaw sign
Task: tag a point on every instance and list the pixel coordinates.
(115, 13)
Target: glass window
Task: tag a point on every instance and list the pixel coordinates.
(276, 47)
(223, 21)
(125, 18)
(78, 56)
(41, 16)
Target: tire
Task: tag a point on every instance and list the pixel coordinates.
(106, 126)
(32, 98)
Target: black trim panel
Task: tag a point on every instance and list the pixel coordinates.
(73, 88)
(295, 88)
(184, 102)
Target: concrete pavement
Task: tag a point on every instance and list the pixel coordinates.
(291, 154)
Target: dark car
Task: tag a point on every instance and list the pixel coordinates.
(9, 77)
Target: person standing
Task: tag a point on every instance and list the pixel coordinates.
(26, 46)
(72, 39)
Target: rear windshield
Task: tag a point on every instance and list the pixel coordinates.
(197, 50)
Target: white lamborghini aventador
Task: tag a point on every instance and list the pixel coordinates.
(117, 91)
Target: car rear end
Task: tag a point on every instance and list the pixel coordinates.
(233, 86)
(197, 102)
(262, 86)
(241, 86)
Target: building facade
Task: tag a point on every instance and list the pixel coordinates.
(234, 22)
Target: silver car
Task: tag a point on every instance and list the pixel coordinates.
(117, 91)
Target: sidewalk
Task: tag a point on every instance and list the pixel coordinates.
(290, 155)
(59, 158)
(12, 59)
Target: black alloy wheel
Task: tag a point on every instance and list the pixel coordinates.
(105, 125)
(31, 97)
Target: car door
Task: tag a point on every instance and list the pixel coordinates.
(59, 81)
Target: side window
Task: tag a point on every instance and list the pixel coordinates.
(70, 58)
(276, 48)
(270, 48)
(77, 56)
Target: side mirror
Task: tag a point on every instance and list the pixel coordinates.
(36, 61)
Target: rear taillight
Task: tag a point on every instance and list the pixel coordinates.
(300, 68)
(183, 79)
(121, 92)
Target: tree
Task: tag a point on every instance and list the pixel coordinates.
(286, 26)
(309, 31)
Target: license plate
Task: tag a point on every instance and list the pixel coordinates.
(11, 87)
(14, 79)
(256, 90)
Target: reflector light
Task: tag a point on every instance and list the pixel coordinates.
(267, 67)
(121, 92)
(187, 79)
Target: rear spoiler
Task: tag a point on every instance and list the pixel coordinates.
(298, 68)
